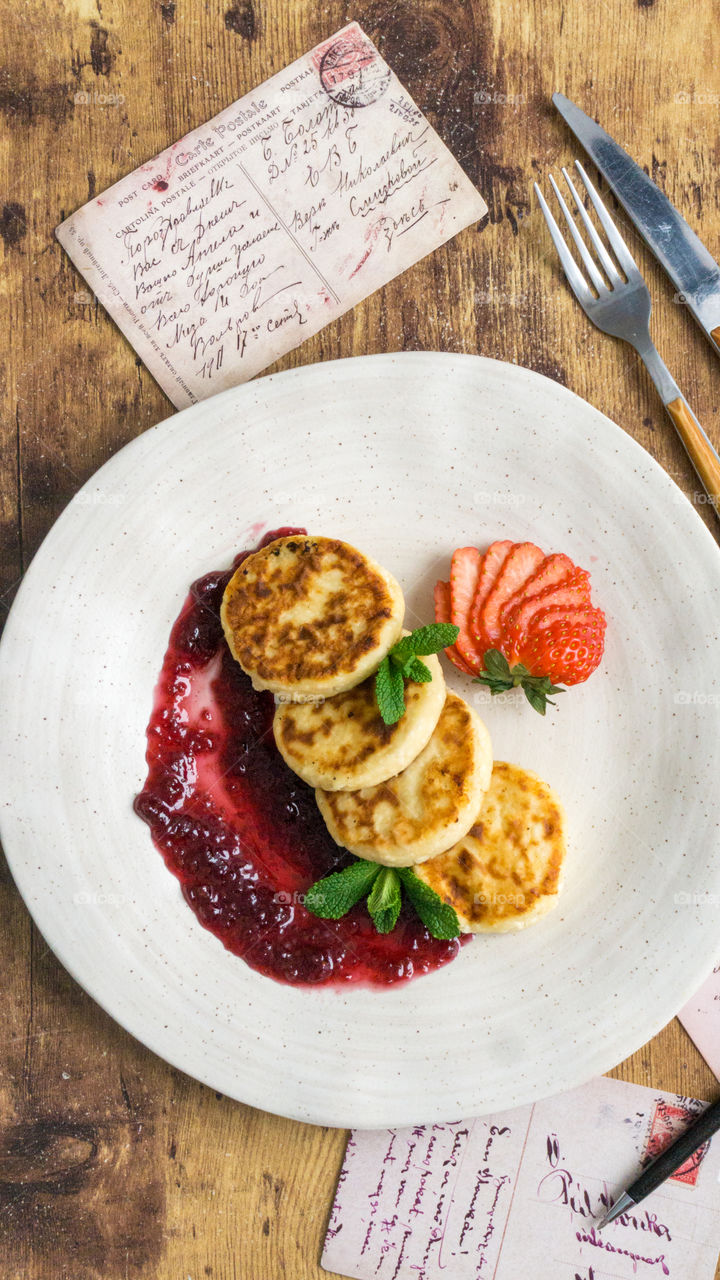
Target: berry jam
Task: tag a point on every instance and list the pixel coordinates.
(241, 831)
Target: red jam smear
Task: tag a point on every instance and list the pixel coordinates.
(241, 831)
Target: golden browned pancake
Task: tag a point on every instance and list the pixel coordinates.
(343, 743)
(507, 870)
(428, 806)
(310, 616)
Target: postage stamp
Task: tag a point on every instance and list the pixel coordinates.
(352, 72)
(666, 1124)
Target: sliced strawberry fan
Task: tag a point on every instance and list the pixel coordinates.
(528, 609)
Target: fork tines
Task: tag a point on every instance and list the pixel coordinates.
(577, 281)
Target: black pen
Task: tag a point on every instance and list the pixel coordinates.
(666, 1164)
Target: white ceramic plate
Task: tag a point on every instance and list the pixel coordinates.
(407, 457)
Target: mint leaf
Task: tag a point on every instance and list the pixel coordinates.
(333, 896)
(384, 900)
(430, 639)
(439, 918)
(402, 651)
(417, 671)
(389, 692)
(401, 664)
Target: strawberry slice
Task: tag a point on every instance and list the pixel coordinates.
(521, 563)
(464, 574)
(442, 614)
(492, 562)
(582, 614)
(565, 644)
(441, 596)
(573, 593)
(553, 570)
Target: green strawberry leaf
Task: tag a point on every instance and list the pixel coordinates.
(496, 664)
(520, 673)
(494, 684)
(537, 690)
(390, 692)
(385, 900)
(334, 895)
(498, 677)
(537, 700)
(440, 919)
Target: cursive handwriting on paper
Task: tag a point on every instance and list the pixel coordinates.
(271, 220)
(500, 1197)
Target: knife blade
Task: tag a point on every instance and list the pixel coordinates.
(695, 274)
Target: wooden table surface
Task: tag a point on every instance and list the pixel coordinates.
(113, 1164)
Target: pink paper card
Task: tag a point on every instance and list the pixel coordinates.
(701, 1019)
(516, 1195)
(281, 213)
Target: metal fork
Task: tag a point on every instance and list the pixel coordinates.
(622, 308)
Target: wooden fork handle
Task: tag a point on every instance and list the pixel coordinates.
(698, 448)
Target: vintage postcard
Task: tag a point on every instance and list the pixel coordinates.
(518, 1194)
(258, 228)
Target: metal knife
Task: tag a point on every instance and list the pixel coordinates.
(694, 273)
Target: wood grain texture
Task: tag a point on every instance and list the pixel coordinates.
(113, 1164)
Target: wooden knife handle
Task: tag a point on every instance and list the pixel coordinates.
(699, 449)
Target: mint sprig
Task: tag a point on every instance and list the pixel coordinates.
(498, 676)
(439, 918)
(384, 900)
(335, 895)
(390, 691)
(403, 663)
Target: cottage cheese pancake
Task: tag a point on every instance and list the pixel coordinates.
(343, 743)
(310, 616)
(507, 870)
(425, 808)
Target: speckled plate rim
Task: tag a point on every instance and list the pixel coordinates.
(381, 1104)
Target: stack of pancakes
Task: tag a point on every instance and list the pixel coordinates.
(311, 619)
